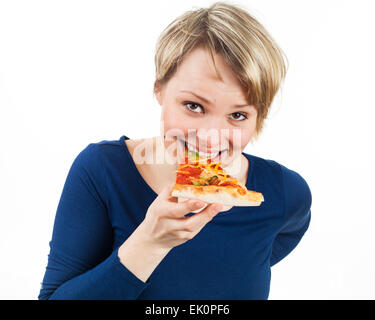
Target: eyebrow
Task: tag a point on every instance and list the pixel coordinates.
(209, 102)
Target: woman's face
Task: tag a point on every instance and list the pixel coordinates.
(207, 113)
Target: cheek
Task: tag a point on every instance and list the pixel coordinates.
(177, 119)
(251, 127)
(240, 140)
(246, 136)
(176, 126)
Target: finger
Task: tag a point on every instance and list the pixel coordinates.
(200, 219)
(184, 235)
(176, 227)
(180, 209)
(166, 192)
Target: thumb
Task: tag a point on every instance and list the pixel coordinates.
(167, 191)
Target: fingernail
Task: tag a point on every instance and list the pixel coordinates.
(197, 204)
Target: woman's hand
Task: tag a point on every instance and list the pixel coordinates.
(165, 224)
(164, 227)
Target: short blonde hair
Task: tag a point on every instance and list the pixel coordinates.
(245, 44)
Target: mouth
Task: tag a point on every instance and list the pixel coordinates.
(215, 156)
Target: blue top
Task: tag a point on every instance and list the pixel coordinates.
(105, 198)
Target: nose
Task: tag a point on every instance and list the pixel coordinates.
(208, 138)
(211, 139)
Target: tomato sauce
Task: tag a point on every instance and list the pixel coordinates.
(230, 184)
(215, 182)
(184, 178)
(193, 172)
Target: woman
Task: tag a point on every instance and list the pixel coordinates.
(118, 232)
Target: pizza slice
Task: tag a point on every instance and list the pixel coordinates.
(206, 180)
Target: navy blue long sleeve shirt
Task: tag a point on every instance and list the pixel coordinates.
(105, 198)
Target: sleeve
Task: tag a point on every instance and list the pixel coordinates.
(297, 215)
(81, 263)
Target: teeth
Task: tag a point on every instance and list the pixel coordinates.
(203, 154)
(208, 155)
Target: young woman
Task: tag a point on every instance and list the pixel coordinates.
(118, 232)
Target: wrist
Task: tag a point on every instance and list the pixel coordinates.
(139, 245)
(141, 236)
(140, 255)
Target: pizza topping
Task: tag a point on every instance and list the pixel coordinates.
(204, 177)
(213, 179)
(204, 172)
(191, 170)
(217, 167)
(183, 179)
(191, 155)
(182, 172)
(196, 183)
(236, 184)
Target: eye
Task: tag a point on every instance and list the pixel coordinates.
(240, 114)
(191, 106)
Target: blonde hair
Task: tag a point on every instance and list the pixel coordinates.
(245, 44)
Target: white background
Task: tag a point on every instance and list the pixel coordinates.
(76, 72)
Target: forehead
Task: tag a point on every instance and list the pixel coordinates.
(197, 72)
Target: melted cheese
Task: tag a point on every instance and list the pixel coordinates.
(217, 166)
(189, 165)
(184, 172)
(210, 170)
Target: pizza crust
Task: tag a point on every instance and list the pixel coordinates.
(216, 194)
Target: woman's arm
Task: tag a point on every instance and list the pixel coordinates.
(140, 256)
(81, 263)
(297, 214)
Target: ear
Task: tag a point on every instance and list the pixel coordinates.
(158, 92)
